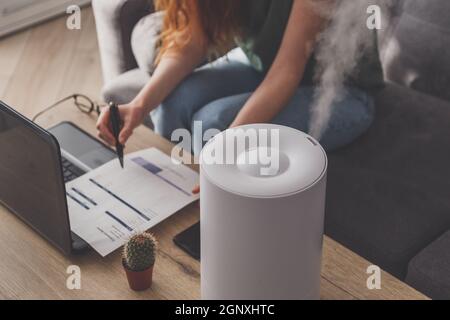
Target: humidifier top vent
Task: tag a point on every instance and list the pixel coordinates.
(263, 161)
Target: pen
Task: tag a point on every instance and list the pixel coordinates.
(114, 118)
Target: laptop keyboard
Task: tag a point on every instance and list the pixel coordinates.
(70, 171)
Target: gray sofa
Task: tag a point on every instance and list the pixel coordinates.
(389, 192)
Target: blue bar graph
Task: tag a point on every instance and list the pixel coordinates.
(81, 194)
(77, 201)
(119, 221)
(147, 165)
(119, 199)
(156, 170)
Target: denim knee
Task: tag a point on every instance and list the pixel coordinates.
(164, 121)
(217, 115)
(349, 122)
(176, 110)
(201, 123)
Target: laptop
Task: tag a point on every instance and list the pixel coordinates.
(35, 165)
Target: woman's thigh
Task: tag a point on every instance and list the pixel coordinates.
(351, 116)
(206, 84)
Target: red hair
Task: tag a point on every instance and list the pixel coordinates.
(219, 20)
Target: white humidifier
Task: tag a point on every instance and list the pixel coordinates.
(262, 221)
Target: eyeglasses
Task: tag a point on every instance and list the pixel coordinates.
(82, 102)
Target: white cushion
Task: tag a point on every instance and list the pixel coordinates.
(145, 40)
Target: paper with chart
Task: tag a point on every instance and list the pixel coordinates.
(109, 204)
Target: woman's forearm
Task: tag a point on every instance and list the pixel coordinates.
(287, 70)
(269, 99)
(171, 70)
(175, 64)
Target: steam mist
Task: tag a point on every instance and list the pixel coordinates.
(340, 47)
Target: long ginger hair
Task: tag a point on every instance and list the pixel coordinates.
(220, 22)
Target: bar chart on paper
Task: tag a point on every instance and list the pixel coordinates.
(108, 205)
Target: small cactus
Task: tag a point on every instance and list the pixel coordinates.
(139, 252)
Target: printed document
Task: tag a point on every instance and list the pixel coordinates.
(110, 204)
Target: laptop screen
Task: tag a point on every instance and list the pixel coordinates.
(31, 183)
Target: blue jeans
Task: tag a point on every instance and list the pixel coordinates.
(215, 93)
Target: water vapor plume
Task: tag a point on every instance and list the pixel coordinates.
(339, 48)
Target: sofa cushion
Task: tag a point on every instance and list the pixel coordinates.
(124, 88)
(145, 41)
(387, 193)
(429, 271)
(114, 21)
(416, 54)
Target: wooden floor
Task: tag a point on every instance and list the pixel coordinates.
(48, 62)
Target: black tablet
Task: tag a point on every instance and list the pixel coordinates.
(189, 241)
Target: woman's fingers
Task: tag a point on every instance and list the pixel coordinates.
(109, 141)
(125, 134)
(196, 189)
(103, 127)
(106, 135)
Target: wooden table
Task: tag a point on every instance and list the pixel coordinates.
(30, 268)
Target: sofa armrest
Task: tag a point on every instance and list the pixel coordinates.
(429, 271)
(115, 20)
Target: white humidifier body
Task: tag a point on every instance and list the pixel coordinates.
(262, 221)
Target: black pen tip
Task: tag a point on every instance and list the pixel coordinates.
(121, 162)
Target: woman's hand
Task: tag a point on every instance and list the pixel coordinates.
(131, 115)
